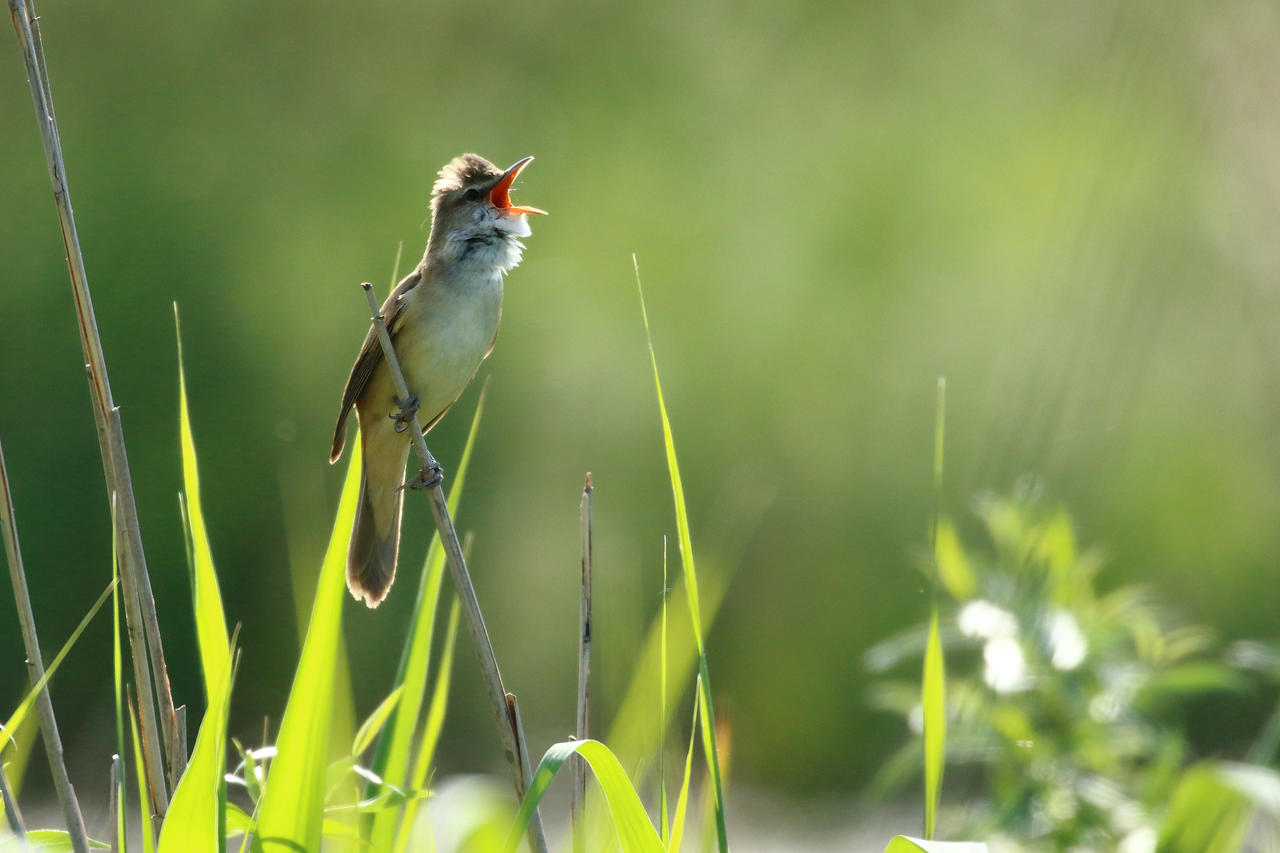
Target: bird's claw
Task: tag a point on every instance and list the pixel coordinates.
(404, 417)
(427, 478)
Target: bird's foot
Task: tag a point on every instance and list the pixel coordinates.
(404, 417)
(427, 478)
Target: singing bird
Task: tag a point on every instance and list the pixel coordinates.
(443, 319)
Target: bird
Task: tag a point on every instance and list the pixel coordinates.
(443, 320)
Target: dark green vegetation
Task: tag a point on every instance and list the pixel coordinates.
(1067, 209)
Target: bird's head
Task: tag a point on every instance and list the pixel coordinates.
(473, 221)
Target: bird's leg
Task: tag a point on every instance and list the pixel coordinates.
(428, 477)
(404, 417)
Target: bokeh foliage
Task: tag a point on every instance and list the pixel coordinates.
(1068, 210)
(1067, 705)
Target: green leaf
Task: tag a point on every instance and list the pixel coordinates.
(690, 586)
(635, 833)
(55, 841)
(239, 822)
(953, 565)
(249, 771)
(682, 799)
(631, 733)
(196, 820)
(292, 808)
(336, 829)
(117, 663)
(903, 844)
(391, 760)
(144, 792)
(1207, 814)
(24, 707)
(431, 728)
(934, 700)
(370, 728)
(211, 623)
(663, 820)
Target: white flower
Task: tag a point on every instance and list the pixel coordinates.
(1006, 667)
(1066, 641)
(986, 621)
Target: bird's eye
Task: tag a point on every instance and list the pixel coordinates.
(473, 194)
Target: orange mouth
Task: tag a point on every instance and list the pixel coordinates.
(500, 196)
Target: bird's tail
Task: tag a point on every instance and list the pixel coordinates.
(375, 538)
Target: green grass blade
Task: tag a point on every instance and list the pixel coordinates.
(391, 760)
(934, 700)
(903, 844)
(117, 663)
(370, 728)
(292, 807)
(952, 563)
(933, 690)
(196, 819)
(55, 841)
(239, 822)
(682, 799)
(939, 440)
(15, 752)
(1206, 814)
(431, 729)
(663, 819)
(690, 586)
(211, 622)
(119, 782)
(24, 707)
(631, 733)
(139, 766)
(635, 833)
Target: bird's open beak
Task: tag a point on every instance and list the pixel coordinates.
(500, 196)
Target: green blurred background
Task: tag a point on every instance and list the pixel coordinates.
(1069, 210)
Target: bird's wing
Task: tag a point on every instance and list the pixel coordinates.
(369, 359)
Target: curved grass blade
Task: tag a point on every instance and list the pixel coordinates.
(934, 700)
(690, 586)
(24, 707)
(682, 799)
(663, 820)
(211, 622)
(1206, 815)
(197, 818)
(391, 760)
(631, 734)
(635, 833)
(139, 766)
(117, 664)
(291, 812)
(903, 844)
(431, 729)
(15, 752)
(933, 690)
(55, 841)
(372, 725)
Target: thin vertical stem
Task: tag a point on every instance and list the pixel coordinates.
(35, 669)
(113, 803)
(140, 605)
(509, 729)
(582, 731)
(11, 813)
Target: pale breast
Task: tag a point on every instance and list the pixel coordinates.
(444, 334)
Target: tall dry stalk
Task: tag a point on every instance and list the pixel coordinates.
(505, 708)
(35, 669)
(140, 610)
